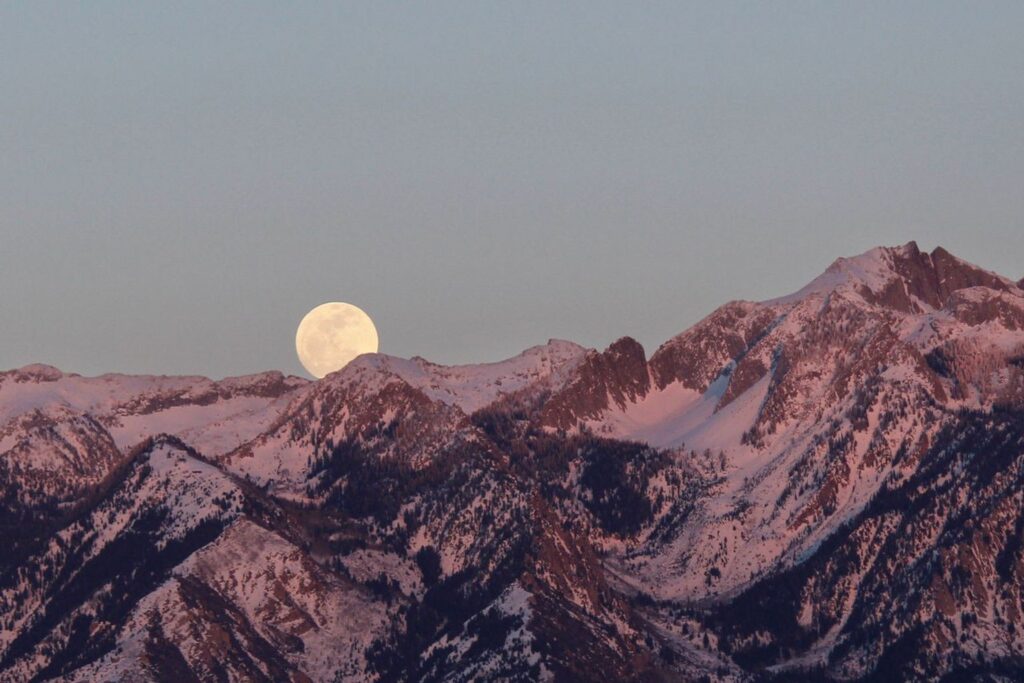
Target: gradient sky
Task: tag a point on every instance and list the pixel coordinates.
(181, 182)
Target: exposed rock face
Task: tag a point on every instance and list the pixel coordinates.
(825, 486)
(880, 602)
(616, 377)
(697, 356)
(930, 279)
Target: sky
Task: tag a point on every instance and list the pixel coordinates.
(181, 182)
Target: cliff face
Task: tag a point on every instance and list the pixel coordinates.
(826, 486)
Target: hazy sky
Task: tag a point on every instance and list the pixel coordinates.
(181, 182)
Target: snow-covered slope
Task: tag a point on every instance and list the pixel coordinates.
(213, 417)
(410, 409)
(471, 387)
(159, 505)
(810, 402)
(53, 454)
(822, 486)
(249, 592)
(928, 302)
(365, 405)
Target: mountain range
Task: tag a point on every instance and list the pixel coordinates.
(827, 486)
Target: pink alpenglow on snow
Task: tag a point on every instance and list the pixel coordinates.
(822, 486)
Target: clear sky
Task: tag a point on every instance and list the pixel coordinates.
(181, 182)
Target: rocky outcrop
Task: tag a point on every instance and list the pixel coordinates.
(614, 377)
(696, 357)
(825, 486)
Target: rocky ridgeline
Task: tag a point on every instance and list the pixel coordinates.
(826, 486)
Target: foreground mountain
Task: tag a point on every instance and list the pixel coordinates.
(826, 486)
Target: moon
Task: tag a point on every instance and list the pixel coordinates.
(331, 335)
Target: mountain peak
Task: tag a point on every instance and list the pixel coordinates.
(626, 346)
(563, 511)
(38, 372)
(616, 376)
(471, 387)
(904, 278)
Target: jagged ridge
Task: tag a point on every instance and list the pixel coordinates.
(752, 501)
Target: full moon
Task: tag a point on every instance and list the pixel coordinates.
(331, 335)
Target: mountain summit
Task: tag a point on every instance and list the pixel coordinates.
(905, 278)
(824, 486)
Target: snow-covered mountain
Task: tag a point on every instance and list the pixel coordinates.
(823, 486)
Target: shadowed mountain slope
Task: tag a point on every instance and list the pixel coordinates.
(822, 486)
